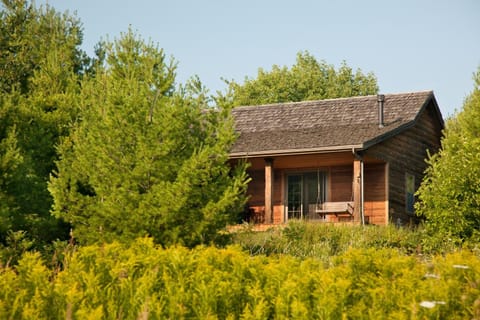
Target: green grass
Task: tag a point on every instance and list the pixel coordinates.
(303, 239)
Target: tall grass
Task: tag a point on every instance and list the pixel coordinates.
(324, 241)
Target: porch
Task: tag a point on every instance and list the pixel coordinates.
(339, 187)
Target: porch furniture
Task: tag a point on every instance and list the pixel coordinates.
(336, 208)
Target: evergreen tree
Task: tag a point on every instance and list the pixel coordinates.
(10, 160)
(450, 192)
(146, 159)
(40, 68)
(27, 35)
(308, 79)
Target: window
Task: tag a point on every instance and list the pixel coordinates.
(409, 192)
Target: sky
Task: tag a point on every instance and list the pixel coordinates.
(410, 45)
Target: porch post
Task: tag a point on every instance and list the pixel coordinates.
(268, 190)
(357, 189)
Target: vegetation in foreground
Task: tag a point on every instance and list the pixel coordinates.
(143, 281)
(450, 192)
(324, 241)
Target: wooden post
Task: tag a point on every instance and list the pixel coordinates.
(357, 190)
(268, 190)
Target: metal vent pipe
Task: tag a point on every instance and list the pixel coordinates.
(380, 100)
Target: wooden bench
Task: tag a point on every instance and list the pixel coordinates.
(336, 208)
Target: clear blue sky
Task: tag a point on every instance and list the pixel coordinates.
(410, 45)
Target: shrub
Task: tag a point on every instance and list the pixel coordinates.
(142, 281)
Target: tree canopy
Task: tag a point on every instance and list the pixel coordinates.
(308, 79)
(112, 145)
(32, 38)
(40, 65)
(450, 192)
(146, 159)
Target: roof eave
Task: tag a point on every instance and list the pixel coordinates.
(291, 152)
(387, 135)
(436, 109)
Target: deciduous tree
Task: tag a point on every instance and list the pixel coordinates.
(450, 192)
(308, 79)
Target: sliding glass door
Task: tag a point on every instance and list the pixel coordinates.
(305, 191)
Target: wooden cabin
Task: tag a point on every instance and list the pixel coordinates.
(357, 160)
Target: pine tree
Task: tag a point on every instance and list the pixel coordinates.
(146, 159)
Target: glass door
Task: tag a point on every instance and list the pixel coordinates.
(294, 196)
(310, 196)
(305, 191)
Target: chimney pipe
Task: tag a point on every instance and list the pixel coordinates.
(380, 100)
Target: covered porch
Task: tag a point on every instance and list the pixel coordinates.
(326, 187)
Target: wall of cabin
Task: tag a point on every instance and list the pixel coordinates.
(405, 154)
(256, 194)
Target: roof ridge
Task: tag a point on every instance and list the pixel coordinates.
(293, 103)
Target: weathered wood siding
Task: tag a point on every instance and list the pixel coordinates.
(278, 197)
(406, 153)
(256, 188)
(304, 161)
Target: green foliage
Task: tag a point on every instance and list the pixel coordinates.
(142, 281)
(324, 241)
(25, 289)
(40, 67)
(28, 35)
(450, 192)
(308, 79)
(10, 160)
(16, 244)
(144, 159)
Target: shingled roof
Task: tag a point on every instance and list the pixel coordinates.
(324, 125)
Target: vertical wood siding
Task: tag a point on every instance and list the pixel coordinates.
(375, 194)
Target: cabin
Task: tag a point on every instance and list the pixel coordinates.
(350, 160)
